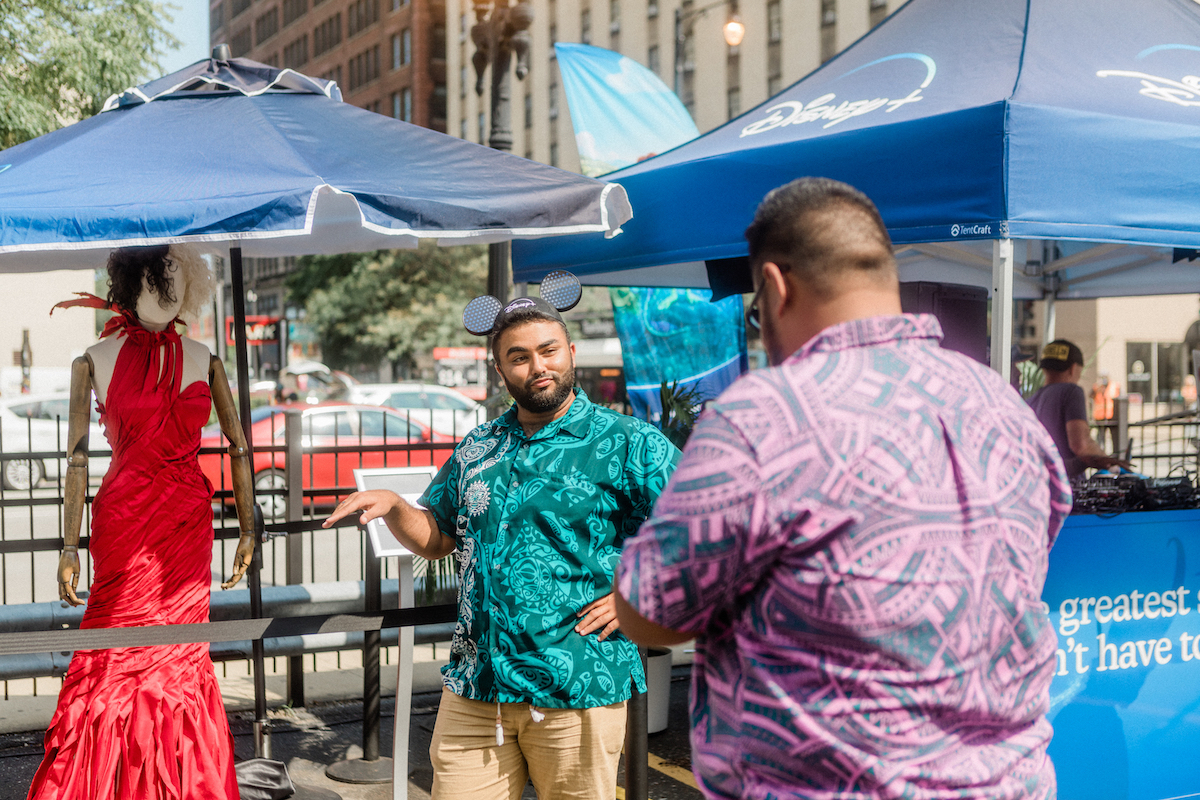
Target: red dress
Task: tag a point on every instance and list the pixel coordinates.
(145, 722)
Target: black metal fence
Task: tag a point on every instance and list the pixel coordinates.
(319, 453)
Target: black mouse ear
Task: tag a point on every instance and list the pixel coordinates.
(561, 289)
(480, 315)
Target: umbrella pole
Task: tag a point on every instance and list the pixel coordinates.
(262, 732)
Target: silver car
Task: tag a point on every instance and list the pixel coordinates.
(445, 410)
(38, 424)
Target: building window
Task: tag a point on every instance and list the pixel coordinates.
(402, 49)
(733, 83)
(360, 15)
(334, 75)
(774, 47)
(364, 68)
(293, 10)
(482, 129)
(402, 104)
(553, 38)
(878, 12)
(437, 105)
(295, 55)
(266, 26)
(528, 111)
(462, 81)
(554, 154)
(437, 41)
(653, 59)
(464, 29)
(462, 129)
(652, 9)
(585, 26)
(238, 7)
(239, 43)
(828, 29)
(398, 4)
(327, 35)
(614, 16)
(553, 92)
(216, 16)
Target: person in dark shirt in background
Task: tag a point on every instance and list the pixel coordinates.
(1060, 406)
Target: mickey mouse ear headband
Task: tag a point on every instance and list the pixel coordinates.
(560, 291)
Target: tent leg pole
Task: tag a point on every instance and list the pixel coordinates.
(1002, 306)
(262, 730)
(1048, 334)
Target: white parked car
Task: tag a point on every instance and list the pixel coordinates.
(38, 424)
(440, 407)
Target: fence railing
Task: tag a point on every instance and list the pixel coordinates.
(1162, 439)
(303, 465)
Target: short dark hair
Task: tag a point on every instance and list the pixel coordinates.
(127, 265)
(520, 317)
(1059, 355)
(821, 229)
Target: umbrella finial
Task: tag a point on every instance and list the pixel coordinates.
(221, 53)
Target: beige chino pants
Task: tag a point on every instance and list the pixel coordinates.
(570, 755)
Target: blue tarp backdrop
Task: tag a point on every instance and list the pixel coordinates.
(1048, 119)
(1124, 598)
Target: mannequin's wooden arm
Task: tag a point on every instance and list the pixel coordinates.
(239, 464)
(75, 487)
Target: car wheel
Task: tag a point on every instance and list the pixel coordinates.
(274, 506)
(22, 474)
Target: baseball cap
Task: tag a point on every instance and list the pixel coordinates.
(1059, 355)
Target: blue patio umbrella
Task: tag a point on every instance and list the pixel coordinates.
(268, 162)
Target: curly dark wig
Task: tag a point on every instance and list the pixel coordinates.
(127, 265)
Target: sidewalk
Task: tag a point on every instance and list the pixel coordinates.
(329, 729)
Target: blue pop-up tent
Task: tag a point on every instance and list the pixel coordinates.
(1066, 123)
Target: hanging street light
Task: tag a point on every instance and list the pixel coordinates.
(734, 30)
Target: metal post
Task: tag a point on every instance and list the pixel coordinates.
(370, 768)
(637, 742)
(501, 31)
(1121, 412)
(1002, 306)
(293, 474)
(262, 731)
(1048, 334)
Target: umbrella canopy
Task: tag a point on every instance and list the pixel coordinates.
(1029, 119)
(239, 152)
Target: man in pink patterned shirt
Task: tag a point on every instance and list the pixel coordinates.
(857, 538)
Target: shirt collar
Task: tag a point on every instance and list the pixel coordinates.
(576, 422)
(869, 332)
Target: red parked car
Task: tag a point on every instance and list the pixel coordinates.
(324, 426)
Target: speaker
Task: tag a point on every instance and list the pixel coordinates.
(961, 310)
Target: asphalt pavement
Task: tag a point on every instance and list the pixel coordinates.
(309, 739)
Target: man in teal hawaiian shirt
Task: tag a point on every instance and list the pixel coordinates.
(537, 505)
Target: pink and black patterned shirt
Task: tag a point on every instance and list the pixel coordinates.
(859, 539)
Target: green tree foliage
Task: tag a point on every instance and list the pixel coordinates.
(61, 59)
(391, 305)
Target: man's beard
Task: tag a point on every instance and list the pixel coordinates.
(542, 400)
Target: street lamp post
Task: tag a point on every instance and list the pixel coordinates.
(733, 30)
(501, 31)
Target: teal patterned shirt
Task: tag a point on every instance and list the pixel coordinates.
(539, 522)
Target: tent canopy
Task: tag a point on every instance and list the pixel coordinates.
(237, 152)
(1031, 119)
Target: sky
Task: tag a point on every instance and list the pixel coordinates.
(191, 29)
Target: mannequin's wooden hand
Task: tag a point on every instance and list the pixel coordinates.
(241, 560)
(68, 576)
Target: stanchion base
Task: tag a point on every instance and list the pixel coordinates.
(357, 770)
(313, 793)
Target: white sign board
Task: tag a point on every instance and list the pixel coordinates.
(409, 483)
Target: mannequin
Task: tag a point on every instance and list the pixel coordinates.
(187, 278)
(139, 722)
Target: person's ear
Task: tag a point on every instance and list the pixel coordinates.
(781, 288)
